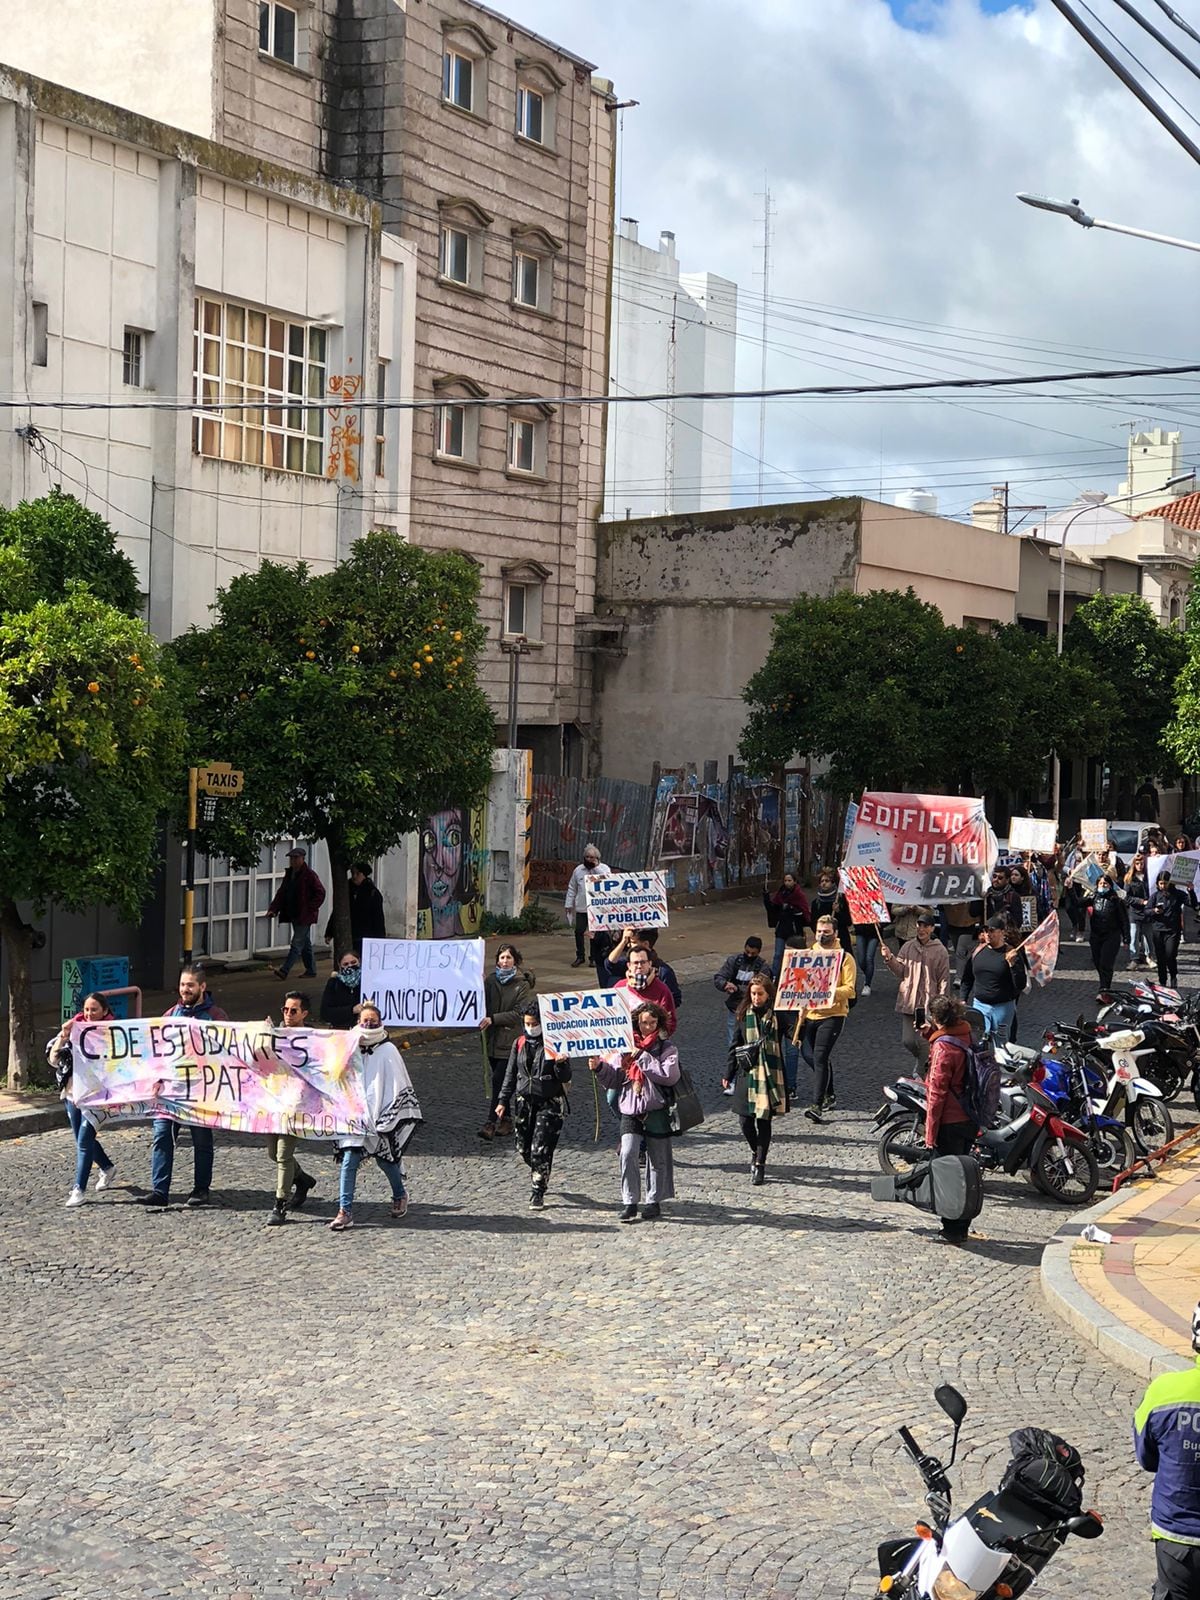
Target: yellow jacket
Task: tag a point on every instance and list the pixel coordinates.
(846, 985)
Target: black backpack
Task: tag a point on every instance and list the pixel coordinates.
(1046, 1471)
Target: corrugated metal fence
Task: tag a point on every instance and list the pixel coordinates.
(611, 813)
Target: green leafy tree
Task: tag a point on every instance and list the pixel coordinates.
(90, 735)
(349, 699)
(1126, 646)
(1182, 734)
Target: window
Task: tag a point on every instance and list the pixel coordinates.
(458, 80)
(277, 32)
(531, 107)
(520, 446)
(40, 334)
(381, 370)
(526, 273)
(244, 354)
(131, 359)
(456, 255)
(452, 432)
(527, 437)
(515, 608)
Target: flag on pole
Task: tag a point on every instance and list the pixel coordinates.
(1041, 947)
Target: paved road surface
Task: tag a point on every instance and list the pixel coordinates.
(483, 1401)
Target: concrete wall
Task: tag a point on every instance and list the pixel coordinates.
(970, 574)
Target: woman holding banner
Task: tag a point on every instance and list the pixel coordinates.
(88, 1149)
(640, 1082)
(822, 1025)
(392, 1110)
(756, 1070)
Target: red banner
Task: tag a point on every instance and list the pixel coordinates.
(928, 849)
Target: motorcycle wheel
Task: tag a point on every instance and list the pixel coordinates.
(898, 1144)
(1169, 1081)
(1152, 1126)
(1071, 1179)
(1114, 1149)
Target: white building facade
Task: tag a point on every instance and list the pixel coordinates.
(672, 333)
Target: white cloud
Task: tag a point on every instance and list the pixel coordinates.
(894, 156)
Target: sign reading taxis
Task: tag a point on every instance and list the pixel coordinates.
(219, 778)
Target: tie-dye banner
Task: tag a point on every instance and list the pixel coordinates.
(1041, 950)
(246, 1076)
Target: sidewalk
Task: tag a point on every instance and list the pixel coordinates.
(697, 941)
(1133, 1298)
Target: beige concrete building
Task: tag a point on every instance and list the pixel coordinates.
(691, 600)
(490, 150)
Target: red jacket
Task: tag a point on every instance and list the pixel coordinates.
(657, 993)
(310, 893)
(945, 1079)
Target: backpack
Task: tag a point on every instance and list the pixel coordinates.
(1045, 1470)
(980, 1092)
(547, 1085)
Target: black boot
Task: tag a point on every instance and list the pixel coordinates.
(278, 1215)
(304, 1187)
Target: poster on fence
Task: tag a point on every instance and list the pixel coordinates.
(626, 900)
(587, 1022)
(418, 983)
(864, 895)
(1038, 834)
(928, 849)
(809, 978)
(246, 1076)
(1094, 833)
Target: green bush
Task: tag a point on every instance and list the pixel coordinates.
(535, 918)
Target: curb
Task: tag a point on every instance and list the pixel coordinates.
(39, 1119)
(1091, 1321)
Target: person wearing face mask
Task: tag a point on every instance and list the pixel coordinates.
(1166, 920)
(822, 1026)
(640, 1083)
(281, 1147)
(1108, 930)
(640, 980)
(535, 1088)
(828, 901)
(575, 904)
(507, 994)
(923, 967)
(788, 913)
(393, 1116)
(341, 994)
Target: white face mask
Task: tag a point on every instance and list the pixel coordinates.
(533, 1033)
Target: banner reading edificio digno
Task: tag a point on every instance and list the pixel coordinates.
(928, 849)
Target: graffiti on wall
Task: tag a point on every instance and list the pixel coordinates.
(452, 871)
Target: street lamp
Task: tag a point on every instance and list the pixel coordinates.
(1072, 209)
(1091, 505)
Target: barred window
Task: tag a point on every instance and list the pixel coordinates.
(243, 354)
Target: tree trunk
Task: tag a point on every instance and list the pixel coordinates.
(18, 944)
(339, 889)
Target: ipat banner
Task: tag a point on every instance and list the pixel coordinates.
(626, 900)
(246, 1076)
(864, 895)
(587, 1022)
(425, 983)
(1036, 834)
(809, 978)
(928, 849)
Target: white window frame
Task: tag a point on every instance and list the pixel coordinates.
(527, 443)
(523, 262)
(133, 358)
(452, 232)
(531, 591)
(511, 593)
(454, 59)
(453, 410)
(381, 418)
(242, 352)
(268, 14)
(526, 95)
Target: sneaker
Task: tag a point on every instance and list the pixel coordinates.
(630, 1214)
(652, 1212)
(341, 1222)
(813, 1113)
(75, 1198)
(277, 1215)
(504, 1126)
(829, 1101)
(400, 1207)
(304, 1187)
(107, 1178)
(728, 1091)
(537, 1199)
(579, 962)
(152, 1202)
(866, 989)
(198, 1199)
(488, 1131)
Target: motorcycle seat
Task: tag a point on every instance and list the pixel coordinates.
(1006, 1514)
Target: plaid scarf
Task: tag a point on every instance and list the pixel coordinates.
(766, 1095)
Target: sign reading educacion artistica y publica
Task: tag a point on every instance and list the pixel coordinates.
(587, 1022)
(626, 900)
(928, 849)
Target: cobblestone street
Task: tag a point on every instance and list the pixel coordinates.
(485, 1401)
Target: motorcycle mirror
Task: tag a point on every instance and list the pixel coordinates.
(1079, 1020)
(1088, 1526)
(951, 1402)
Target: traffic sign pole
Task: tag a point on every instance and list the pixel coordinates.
(189, 892)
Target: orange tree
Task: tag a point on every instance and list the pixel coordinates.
(348, 698)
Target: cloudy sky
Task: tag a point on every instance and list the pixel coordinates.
(893, 135)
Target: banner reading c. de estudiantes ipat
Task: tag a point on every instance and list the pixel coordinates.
(928, 849)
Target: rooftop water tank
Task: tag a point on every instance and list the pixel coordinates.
(918, 500)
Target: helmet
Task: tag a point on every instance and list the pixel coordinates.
(1196, 1328)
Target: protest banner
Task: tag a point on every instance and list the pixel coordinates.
(1041, 950)
(425, 983)
(928, 849)
(1094, 833)
(587, 1022)
(626, 900)
(864, 895)
(1039, 834)
(1182, 868)
(247, 1076)
(809, 978)
(1028, 911)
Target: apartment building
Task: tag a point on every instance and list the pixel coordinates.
(490, 151)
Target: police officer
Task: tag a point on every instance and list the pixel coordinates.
(1166, 1437)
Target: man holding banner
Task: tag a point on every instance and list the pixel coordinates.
(196, 1002)
(923, 967)
(822, 1024)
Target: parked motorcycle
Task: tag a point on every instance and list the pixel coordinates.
(1170, 1023)
(999, 1545)
(1112, 1062)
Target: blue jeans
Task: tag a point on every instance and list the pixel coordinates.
(780, 947)
(87, 1147)
(300, 949)
(999, 1020)
(865, 947)
(730, 1029)
(1139, 942)
(162, 1157)
(791, 1065)
(351, 1161)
